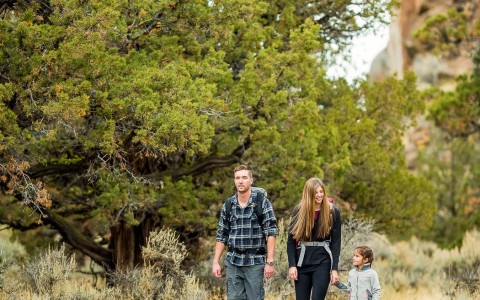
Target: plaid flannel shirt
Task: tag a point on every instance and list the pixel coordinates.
(244, 232)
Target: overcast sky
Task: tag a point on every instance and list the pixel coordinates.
(364, 49)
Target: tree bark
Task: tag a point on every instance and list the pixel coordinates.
(126, 243)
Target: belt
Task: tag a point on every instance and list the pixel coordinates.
(303, 245)
(259, 251)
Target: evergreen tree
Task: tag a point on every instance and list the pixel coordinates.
(452, 161)
(125, 116)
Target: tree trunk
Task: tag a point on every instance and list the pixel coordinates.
(126, 243)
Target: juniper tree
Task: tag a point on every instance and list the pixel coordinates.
(118, 117)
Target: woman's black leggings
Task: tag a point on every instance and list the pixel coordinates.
(312, 280)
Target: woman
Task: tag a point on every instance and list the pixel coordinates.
(313, 245)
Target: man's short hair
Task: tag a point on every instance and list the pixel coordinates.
(241, 168)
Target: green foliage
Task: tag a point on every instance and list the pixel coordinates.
(451, 161)
(187, 209)
(115, 112)
(458, 112)
(443, 33)
(452, 167)
(8, 126)
(378, 184)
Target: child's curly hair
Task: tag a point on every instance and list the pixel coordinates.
(365, 252)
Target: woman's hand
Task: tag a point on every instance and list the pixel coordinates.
(334, 277)
(292, 273)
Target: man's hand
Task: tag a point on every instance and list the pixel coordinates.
(269, 271)
(216, 270)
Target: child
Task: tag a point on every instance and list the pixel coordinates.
(363, 281)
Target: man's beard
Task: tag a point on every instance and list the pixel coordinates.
(242, 189)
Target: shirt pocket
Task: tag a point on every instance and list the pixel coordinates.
(242, 218)
(256, 227)
(247, 217)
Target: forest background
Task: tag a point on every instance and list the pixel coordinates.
(118, 118)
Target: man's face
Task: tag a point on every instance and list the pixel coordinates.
(243, 181)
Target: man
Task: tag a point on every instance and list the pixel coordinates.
(250, 238)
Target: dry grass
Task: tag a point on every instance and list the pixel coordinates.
(413, 269)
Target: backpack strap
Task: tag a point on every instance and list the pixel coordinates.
(259, 206)
(261, 194)
(228, 208)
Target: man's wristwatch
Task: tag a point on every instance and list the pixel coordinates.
(270, 263)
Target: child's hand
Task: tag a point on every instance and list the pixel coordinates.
(292, 273)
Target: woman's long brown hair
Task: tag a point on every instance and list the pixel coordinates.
(302, 221)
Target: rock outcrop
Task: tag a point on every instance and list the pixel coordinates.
(405, 53)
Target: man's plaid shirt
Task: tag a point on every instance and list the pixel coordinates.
(244, 232)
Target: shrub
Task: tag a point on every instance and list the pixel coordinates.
(463, 268)
(280, 283)
(355, 232)
(10, 253)
(408, 270)
(162, 276)
(47, 276)
(422, 266)
(48, 270)
(10, 250)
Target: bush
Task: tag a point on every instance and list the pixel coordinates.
(47, 276)
(463, 268)
(162, 276)
(10, 253)
(10, 250)
(47, 271)
(422, 266)
(407, 270)
(355, 232)
(280, 284)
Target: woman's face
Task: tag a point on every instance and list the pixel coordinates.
(319, 195)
